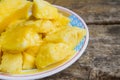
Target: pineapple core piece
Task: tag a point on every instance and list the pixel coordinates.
(11, 62)
(19, 38)
(51, 53)
(44, 10)
(70, 35)
(11, 10)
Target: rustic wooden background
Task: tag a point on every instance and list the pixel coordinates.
(101, 60)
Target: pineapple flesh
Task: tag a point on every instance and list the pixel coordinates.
(13, 10)
(40, 26)
(11, 62)
(51, 53)
(28, 61)
(61, 21)
(29, 56)
(19, 38)
(44, 10)
(70, 35)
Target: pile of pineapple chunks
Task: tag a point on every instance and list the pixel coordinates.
(34, 35)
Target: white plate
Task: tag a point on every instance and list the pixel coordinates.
(77, 20)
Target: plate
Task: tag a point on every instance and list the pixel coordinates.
(76, 20)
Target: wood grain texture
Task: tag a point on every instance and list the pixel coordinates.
(94, 11)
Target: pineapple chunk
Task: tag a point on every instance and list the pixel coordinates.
(51, 53)
(32, 50)
(40, 26)
(61, 21)
(11, 62)
(28, 61)
(44, 10)
(45, 26)
(19, 38)
(11, 10)
(15, 23)
(29, 58)
(71, 35)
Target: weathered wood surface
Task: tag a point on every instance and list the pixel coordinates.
(94, 11)
(101, 60)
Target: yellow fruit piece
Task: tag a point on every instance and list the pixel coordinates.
(29, 56)
(28, 61)
(51, 53)
(19, 38)
(11, 10)
(46, 26)
(32, 50)
(44, 10)
(61, 21)
(11, 62)
(71, 35)
(40, 26)
(15, 24)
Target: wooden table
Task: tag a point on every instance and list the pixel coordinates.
(101, 60)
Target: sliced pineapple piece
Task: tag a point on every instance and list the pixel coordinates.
(71, 35)
(44, 10)
(28, 61)
(15, 23)
(29, 56)
(32, 50)
(19, 38)
(11, 62)
(40, 26)
(11, 10)
(61, 21)
(46, 26)
(51, 53)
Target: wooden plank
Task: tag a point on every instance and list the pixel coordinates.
(94, 11)
(103, 52)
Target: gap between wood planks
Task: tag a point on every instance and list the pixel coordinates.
(111, 22)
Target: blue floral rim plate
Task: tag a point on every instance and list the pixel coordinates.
(77, 21)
